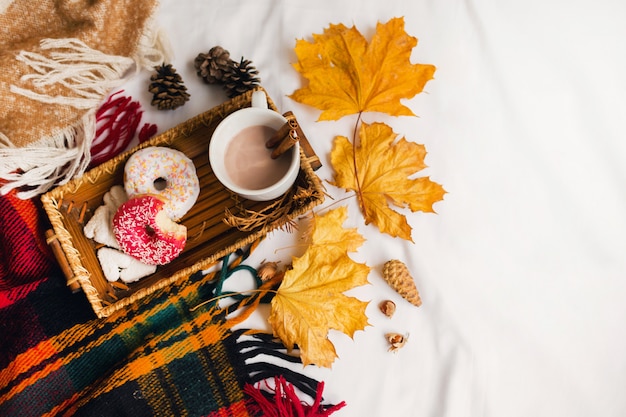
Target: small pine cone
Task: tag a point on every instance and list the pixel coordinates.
(213, 66)
(167, 88)
(242, 77)
(398, 277)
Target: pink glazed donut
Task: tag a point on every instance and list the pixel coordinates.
(145, 232)
(165, 172)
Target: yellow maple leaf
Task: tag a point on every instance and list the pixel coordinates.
(329, 236)
(347, 75)
(310, 299)
(378, 170)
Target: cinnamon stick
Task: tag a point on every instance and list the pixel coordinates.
(287, 143)
(305, 145)
(279, 135)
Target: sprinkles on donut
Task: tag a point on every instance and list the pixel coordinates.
(144, 230)
(165, 172)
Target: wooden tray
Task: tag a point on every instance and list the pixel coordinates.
(70, 207)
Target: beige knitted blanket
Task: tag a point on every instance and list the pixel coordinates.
(59, 59)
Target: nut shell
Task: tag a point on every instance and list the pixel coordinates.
(396, 341)
(397, 275)
(267, 271)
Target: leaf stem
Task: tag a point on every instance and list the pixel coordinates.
(302, 245)
(359, 192)
(334, 203)
(230, 294)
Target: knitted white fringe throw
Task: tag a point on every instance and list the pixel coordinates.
(90, 76)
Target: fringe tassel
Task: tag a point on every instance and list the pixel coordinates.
(254, 350)
(87, 73)
(4, 4)
(154, 49)
(147, 131)
(258, 345)
(117, 121)
(282, 401)
(38, 168)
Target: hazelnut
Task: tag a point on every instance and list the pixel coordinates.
(387, 307)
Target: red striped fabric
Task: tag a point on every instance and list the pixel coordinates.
(25, 258)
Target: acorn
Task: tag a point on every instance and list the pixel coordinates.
(398, 277)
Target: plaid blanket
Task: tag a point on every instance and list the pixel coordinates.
(157, 358)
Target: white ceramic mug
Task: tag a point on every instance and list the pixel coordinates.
(238, 174)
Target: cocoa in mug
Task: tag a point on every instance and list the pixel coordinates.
(240, 158)
(248, 161)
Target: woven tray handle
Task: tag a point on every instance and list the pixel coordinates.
(57, 250)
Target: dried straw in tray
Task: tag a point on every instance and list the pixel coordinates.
(297, 201)
(210, 234)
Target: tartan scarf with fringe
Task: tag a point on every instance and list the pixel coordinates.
(157, 358)
(58, 60)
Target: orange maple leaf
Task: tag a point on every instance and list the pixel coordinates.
(310, 299)
(378, 170)
(347, 75)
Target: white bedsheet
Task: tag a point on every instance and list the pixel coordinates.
(522, 272)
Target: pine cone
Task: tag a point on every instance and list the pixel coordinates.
(241, 78)
(167, 88)
(398, 277)
(214, 65)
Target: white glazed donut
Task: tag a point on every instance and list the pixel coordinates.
(165, 172)
(145, 232)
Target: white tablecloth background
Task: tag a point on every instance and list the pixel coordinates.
(522, 272)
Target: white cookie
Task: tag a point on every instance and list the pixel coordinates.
(118, 265)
